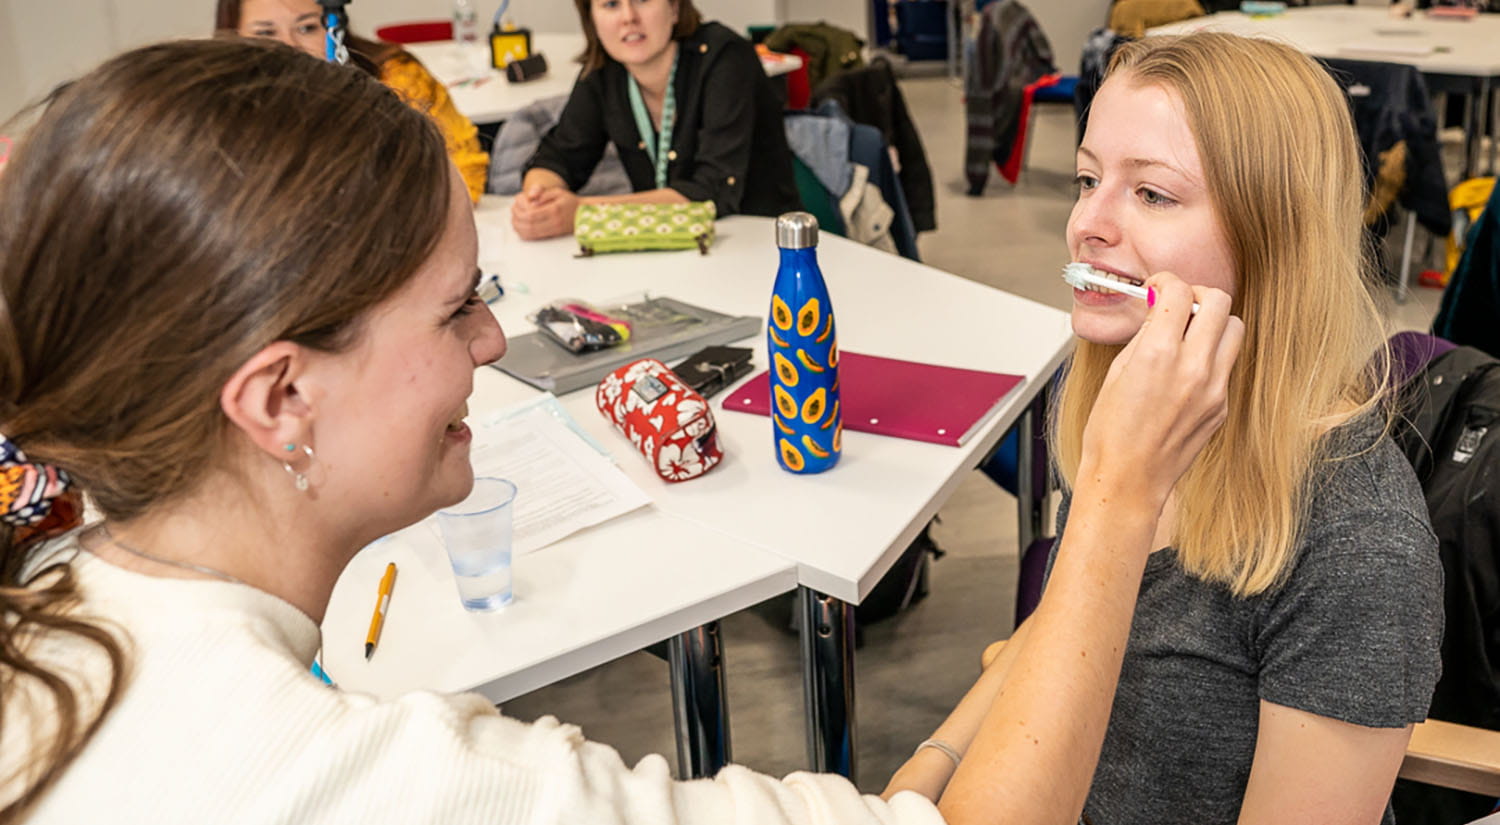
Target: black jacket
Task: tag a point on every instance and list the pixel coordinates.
(1470, 311)
(1390, 105)
(871, 96)
(729, 140)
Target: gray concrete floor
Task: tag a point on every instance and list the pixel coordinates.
(911, 669)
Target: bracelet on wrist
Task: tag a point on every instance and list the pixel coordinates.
(942, 747)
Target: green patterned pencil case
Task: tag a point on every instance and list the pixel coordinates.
(643, 227)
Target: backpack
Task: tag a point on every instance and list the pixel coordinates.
(1451, 435)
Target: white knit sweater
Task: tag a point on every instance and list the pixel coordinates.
(220, 721)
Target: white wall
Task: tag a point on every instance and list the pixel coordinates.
(853, 15)
(12, 94)
(1067, 24)
(51, 42)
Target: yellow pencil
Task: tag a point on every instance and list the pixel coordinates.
(382, 602)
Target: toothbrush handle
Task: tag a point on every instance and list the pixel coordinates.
(1137, 291)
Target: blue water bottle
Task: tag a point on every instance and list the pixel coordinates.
(807, 424)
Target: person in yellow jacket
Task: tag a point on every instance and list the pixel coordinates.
(299, 23)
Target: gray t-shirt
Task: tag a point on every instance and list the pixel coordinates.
(1352, 634)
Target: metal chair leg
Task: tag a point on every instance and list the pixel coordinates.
(698, 702)
(828, 681)
(1033, 473)
(1403, 286)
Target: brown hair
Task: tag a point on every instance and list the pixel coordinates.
(594, 56)
(1315, 354)
(169, 215)
(365, 53)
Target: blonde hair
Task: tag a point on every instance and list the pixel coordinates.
(1282, 167)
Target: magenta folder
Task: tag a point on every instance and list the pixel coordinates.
(886, 396)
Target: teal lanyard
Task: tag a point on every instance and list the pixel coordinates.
(658, 146)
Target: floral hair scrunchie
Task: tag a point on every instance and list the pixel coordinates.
(38, 500)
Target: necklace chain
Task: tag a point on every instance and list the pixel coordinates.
(184, 565)
(196, 568)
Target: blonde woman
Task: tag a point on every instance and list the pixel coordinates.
(1286, 632)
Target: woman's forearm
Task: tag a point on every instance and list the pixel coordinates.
(1034, 754)
(928, 775)
(539, 178)
(665, 195)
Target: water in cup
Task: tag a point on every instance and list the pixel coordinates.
(484, 578)
(477, 535)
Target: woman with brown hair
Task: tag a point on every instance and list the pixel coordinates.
(237, 309)
(299, 24)
(686, 104)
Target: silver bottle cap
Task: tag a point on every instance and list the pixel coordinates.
(796, 230)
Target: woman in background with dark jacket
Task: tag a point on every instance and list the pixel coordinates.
(687, 105)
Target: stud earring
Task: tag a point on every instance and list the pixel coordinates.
(299, 479)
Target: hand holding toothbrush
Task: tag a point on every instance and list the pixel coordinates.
(1165, 394)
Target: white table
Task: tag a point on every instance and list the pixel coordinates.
(742, 533)
(1467, 49)
(589, 599)
(484, 95)
(844, 528)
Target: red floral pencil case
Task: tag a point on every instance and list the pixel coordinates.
(666, 420)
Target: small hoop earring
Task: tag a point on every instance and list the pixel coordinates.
(299, 480)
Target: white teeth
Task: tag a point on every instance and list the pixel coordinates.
(1109, 276)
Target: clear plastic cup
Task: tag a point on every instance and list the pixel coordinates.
(477, 534)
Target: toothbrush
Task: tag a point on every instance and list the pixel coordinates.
(1081, 276)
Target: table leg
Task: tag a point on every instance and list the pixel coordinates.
(1033, 473)
(1470, 141)
(1493, 123)
(696, 659)
(828, 681)
(1403, 285)
(1472, 161)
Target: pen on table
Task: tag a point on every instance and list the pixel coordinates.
(382, 601)
(475, 82)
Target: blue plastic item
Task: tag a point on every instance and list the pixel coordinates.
(1059, 92)
(1001, 467)
(1262, 8)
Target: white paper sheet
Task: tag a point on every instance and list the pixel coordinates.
(563, 485)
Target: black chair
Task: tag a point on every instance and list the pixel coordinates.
(1397, 136)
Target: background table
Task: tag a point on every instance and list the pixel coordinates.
(484, 95)
(844, 528)
(1465, 50)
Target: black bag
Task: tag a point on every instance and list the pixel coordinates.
(904, 584)
(1451, 434)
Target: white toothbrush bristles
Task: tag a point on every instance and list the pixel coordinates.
(1082, 276)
